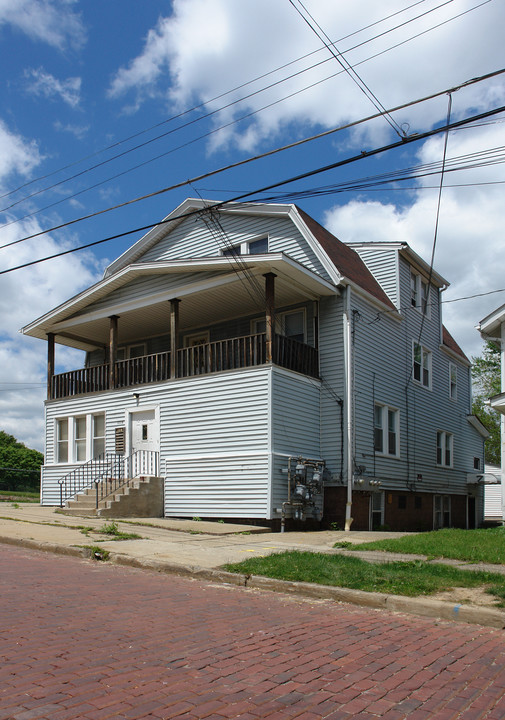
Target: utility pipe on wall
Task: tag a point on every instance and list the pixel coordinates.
(349, 391)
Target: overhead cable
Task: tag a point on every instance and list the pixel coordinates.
(311, 173)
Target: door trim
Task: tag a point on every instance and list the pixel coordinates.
(130, 412)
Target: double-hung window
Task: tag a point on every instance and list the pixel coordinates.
(453, 381)
(421, 365)
(79, 438)
(419, 293)
(445, 448)
(386, 430)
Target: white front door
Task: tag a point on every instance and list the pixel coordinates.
(144, 436)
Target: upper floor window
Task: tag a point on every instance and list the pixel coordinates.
(386, 430)
(453, 381)
(445, 446)
(419, 292)
(291, 324)
(421, 365)
(131, 351)
(251, 247)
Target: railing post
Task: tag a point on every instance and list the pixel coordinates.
(112, 351)
(174, 333)
(50, 364)
(270, 313)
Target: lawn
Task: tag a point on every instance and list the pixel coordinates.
(19, 496)
(399, 578)
(486, 546)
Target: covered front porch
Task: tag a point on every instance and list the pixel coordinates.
(230, 354)
(163, 321)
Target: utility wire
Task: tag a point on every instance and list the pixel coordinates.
(215, 130)
(219, 97)
(311, 173)
(269, 153)
(346, 65)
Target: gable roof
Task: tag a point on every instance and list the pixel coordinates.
(346, 260)
(451, 343)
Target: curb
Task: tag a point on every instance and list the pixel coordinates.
(425, 607)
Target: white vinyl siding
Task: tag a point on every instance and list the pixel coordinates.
(192, 239)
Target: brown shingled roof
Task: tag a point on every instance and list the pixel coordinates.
(451, 343)
(346, 260)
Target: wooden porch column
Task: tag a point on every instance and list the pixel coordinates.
(112, 350)
(50, 364)
(174, 334)
(270, 313)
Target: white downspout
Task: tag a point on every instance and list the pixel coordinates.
(349, 402)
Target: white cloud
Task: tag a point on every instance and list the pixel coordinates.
(51, 21)
(207, 47)
(24, 295)
(78, 131)
(45, 85)
(469, 249)
(17, 155)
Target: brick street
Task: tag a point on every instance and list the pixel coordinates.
(93, 641)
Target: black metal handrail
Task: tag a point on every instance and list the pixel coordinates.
(141, 463)
(110, 468)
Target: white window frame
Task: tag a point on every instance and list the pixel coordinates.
(280, 325)
(445, 444)
(125, 351)
(243, 247)
(453, 381)
(426, 364)
(380, 497)
(444, 507)
(70, 421)
(195, 339)
(419, 293)
(385, 411)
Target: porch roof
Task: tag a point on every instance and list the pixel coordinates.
(211, 290)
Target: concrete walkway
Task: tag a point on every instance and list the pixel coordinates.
(199, 549)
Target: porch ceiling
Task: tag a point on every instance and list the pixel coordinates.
(221, 298)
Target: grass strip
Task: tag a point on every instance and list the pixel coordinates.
(398, 578)
(21, 496)
(486, 546)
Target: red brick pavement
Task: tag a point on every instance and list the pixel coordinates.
(93, 641)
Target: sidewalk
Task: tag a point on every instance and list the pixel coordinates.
(198, 549)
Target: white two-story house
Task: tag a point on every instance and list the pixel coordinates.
(232, 344)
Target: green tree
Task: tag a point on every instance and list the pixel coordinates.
(486, 378)
(19, 465)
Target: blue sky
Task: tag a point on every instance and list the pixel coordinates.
(80, 78)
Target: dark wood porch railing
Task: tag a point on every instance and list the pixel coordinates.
(230, 354)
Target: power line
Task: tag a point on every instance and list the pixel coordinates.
(269, 153)
(346, 65)
(216, 130)
(311, 173)
(212, 100)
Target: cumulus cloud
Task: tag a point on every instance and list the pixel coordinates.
(207, 47)
(469, 243)
(43, 84)
(24, 295)
(51, 21)
(17, 155)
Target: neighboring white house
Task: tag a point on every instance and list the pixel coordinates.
(252, 354)
(492, 328)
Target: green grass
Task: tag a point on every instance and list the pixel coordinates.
(399, 578)
(117, 534)
(468, 545)
(21, 496)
